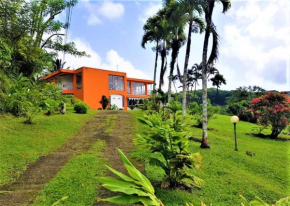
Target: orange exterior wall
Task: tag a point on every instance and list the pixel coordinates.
(96, 84)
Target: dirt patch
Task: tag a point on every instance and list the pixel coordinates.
(263, 136)
(121, 138)
(23, 190)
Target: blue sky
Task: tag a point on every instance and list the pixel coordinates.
(254, 44)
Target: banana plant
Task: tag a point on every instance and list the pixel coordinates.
(135, 189)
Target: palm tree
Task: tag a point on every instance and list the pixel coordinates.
(177, 20)
(163, 32)
(57, 65)
(208, 6)
(196, 73)
(190, 8)
(217, 81)
(152, 34)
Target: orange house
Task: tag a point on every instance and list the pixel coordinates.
(90, 84)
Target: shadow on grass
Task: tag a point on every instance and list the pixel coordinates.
(263, 136)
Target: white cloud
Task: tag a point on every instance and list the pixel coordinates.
(93, 19)
(150, 11)
(107, 9)
(112, 10)
(113, 61)
(258, 36)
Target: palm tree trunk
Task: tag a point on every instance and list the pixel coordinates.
(185, 68)
(174, 54)
(204, 143)
(174, 87)
(155, 70)
(162, 68)
(194, 90)
(217, 92)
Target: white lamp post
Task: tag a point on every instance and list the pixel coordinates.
(235, 120)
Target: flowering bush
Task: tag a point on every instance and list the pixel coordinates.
(273, 109)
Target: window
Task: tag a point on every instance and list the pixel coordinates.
(65, 82)
(79, 81)
(116, 83)
(128, 88)
(138, 88)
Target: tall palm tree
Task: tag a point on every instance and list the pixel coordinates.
(192, 8)
(176, 20)
(196, 73)
(164, 28)
(217, 81)
(152, 34)
(208, 6)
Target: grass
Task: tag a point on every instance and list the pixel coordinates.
(111, 121)
(76, 180)
(21, 144)
(229, 173)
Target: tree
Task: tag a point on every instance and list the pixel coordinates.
(177, 20)
(58, 64)
(195, 24)
(24, 26)
(274, 109)
(152, 34)
(217, 81)
(164, 29)
(208, 6)
(195, 72)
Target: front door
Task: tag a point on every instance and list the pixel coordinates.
(117, 100)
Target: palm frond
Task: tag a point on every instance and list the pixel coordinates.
(215, 45)
(226, 5)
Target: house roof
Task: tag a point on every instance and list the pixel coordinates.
(68, 71)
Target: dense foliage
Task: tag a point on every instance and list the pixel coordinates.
(196, 110)
(273, 109)
(31, 37)
(28, 98)
(168, 137)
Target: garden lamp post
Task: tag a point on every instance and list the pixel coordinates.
(235, 120)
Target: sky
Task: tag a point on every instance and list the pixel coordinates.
(254, 41)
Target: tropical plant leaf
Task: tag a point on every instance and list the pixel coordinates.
(283, 202)
(127, 199)
(121, 175)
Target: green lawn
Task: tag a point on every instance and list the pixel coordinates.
(228, 173)
(76, 180)
(21, 143)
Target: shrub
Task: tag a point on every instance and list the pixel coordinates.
(196, 110)
(168, 137)
(81, 108)
(135, 188)
(238, 107)
(113, 107)
(272, 109)
(132, 107)
(104, 102)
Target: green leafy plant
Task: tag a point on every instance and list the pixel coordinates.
(168, 137)
(197, 111)
(113, 107)
(135, 188)
(81, 108)
(104, 102)
(259, 202)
